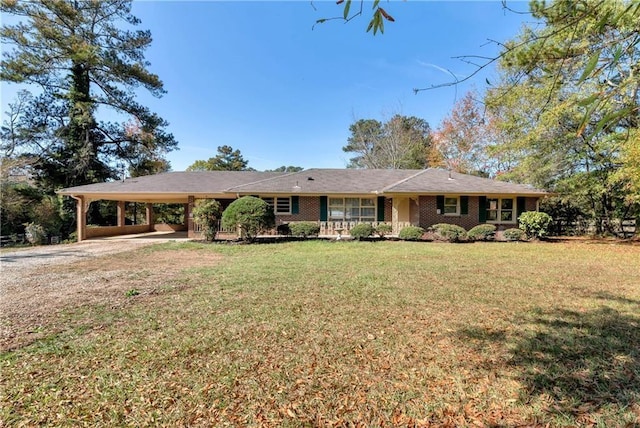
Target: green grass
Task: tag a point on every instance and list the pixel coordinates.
(351, 334)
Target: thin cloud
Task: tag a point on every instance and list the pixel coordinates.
(441, 69)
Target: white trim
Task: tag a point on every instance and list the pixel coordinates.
(274, 203)
(455, 214)
(499, 209)
(360, 207)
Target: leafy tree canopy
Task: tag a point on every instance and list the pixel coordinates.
(402, 142)
(284, 168)
(227, 159)
(81, 59)
(460, 141)
(567, 106)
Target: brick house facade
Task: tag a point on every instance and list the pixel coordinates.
(336, 196)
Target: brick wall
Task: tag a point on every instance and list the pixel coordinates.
(309, 211)
(531, 204)
(388, 209)
(429, 214)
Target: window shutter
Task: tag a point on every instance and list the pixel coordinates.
(380, 208)
(464, 205)
(440, 203)
(482, 209)
(295, 205)
(323, 208)
(521, 205)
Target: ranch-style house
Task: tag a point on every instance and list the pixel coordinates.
(335, 198)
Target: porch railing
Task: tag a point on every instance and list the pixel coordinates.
(327, 228)
(343, 227)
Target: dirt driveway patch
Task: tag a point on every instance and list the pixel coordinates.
(38, 285)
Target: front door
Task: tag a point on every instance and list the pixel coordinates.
(401, 213)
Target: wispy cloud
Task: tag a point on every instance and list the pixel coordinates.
(441, 69)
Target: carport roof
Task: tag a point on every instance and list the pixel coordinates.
(169, 185)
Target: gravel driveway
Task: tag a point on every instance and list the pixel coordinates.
(15, 265)
(35, 283)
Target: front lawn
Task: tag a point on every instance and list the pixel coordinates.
(347, 334)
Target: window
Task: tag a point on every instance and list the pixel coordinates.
(279, 205)
(500, 210)
(451, 206)
(352, 209)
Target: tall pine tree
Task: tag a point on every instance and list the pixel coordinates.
(81, 59)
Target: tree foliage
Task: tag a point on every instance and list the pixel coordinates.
(403, 142)
(82, 60)
(460, 140)
(349, 12)
(206, 214)
(227, 159)
(284, 168)
(568, 102)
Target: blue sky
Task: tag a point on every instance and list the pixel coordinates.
(257, 77)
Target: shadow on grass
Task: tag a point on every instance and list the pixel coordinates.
(579, 361)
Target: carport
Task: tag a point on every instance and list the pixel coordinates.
(169, 188)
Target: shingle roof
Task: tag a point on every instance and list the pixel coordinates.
(323, 181)
(443, 181)
(176, 182)
(310, 182)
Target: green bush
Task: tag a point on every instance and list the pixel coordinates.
(514, 234)
(449, 232)
(361, 231)
(206, 214)
(35, 233)
(383, 229)
(482, 232)
(411, 233)
(72, 238)
(252, 215)
(304, 228)
(535, 224)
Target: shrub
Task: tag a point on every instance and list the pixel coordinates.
(35, 233)
(482, 232)
(535, 224)
(513, 234)
(411, 233)
(283, 229)
(252, 215)
(449, 232)
(383, 229)
(206, 214)
(305, 228)
(361, 231)
(73, 237)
